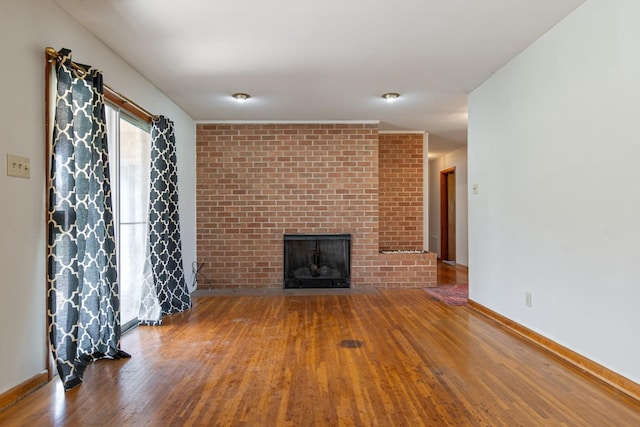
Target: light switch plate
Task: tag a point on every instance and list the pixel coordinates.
(18, 166)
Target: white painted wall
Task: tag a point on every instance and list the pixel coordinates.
(26, 28)
(457, 159)
(553, 146)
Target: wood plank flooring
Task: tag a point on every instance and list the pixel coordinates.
(451, 274)
(320, 358)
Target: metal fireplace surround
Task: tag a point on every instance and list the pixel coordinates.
(317, 261)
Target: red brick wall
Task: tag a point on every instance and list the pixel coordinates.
(256, 182)
(401, 196)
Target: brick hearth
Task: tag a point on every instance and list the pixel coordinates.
(257, 182)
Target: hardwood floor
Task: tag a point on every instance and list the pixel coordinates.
(327, 358)
(451, 274)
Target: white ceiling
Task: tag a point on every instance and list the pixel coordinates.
(322, 60)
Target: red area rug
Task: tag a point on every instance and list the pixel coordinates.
(450, 294)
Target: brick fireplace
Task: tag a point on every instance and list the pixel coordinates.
(259, 182)
(317, 261)
(401, 195)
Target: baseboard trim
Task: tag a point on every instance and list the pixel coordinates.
(16, 393)
(588, 366)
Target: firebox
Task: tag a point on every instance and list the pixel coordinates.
(317, 260)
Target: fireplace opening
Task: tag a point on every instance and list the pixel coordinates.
(317, 260)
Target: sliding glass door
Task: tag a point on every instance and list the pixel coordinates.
(129, 156)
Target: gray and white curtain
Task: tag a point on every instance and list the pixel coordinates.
(82, 287)
(164, 290)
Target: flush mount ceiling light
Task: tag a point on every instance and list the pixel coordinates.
(391, 96)
(241, 97)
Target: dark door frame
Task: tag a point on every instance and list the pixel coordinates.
(445, 224)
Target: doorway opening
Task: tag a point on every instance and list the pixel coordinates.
(448, 215)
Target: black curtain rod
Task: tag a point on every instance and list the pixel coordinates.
(53, 54)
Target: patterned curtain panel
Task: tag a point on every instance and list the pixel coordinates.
(164, 290)
(82, 287)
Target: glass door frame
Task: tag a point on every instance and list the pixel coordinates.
(115, 159)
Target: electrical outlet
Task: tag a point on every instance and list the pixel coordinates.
(18, 166)
(475, 188)
(527, 299)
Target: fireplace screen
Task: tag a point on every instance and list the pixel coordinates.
(317, 260)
